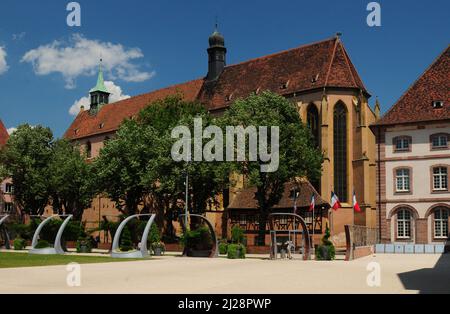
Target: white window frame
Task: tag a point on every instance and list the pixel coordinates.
(404, 223)
(404, 178)
(404, 144)
(440, 179)
(441, 223)
(442, 141)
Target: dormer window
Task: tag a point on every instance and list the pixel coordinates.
(438, 104)
(402, 144)
(101, 126)
(76, 131)
(229, 97)
(285, 85)
(315, 79)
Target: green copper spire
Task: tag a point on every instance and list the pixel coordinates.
(100, 87)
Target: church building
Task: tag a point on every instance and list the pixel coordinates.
(318, 77)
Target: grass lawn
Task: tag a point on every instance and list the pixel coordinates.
(12, 260)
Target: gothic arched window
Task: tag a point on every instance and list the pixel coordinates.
(313, 122)
(340, 151)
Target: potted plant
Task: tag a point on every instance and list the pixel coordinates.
(236, 251)
(84, 245)
(237, 248)
(158, 248)
(326, 251)
(197, 243)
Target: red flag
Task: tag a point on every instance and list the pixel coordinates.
(355, 204)
(335, 204)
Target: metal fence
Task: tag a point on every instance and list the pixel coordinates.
(360, 237)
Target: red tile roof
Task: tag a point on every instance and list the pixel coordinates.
(308, 67)
(416, 104)
(112, 115)
(4, 136)
(246, 198)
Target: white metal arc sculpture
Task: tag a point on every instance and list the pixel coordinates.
(57, 249)
(143, 252)
(2, 220)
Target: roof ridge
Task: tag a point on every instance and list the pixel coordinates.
(157, 90)
(414, 84)
(331, 63)
(281, 52)
(347, 62)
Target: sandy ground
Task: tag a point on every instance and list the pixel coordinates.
(399, 274)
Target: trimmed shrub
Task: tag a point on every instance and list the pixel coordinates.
(326, 251)
(126, 244)
(42, 244)
(236, 251)
(223, 248)
(19, 244)
(84, 245)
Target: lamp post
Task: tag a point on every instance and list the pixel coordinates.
(186, 206)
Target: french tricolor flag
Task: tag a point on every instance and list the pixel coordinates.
(313, 203)
(335, 204)
(355, 203)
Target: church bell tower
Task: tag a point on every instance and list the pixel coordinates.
(99, 94)
(216, 54)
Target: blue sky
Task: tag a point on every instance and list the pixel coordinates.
(160, 43)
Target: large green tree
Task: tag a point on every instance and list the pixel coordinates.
(206, 179)
(122, 164)
(25, 159)
(298, 157)
(71, 179)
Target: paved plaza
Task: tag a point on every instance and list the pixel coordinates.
(170, 274)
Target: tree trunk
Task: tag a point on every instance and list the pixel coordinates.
(262, 227)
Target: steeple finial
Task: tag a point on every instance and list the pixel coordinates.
(377, 109)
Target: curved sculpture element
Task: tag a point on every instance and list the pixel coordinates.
(307, 252)
(143, 252)
(214, 250)
(57, 249)
(2, 220)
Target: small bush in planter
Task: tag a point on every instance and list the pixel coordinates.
(19, 244)
(236, 251)
(42, 244)
(84, 245)
(326, 251)
(223, 248)
(197, 242)
(158, 248)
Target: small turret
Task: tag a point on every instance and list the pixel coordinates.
(99, 94)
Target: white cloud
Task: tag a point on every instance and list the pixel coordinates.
(81, 57)
(116, 95)
(3, 65)
(11, 130)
